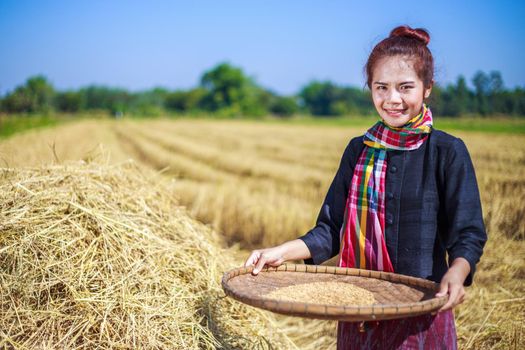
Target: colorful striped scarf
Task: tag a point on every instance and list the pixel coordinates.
(363, 242)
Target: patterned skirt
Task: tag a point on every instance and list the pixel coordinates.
(426, 332)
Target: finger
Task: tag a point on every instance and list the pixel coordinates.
(443, 289)
(249, 261)
(454, 291)
(260, 264)
(452, 298)
(461, 296)
(252, 259)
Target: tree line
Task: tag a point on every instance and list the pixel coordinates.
(227, 91)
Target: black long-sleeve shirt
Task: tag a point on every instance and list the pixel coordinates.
(432, 208)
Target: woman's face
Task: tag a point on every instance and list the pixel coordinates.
(397, 91)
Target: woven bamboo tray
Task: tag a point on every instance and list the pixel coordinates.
(397, 296)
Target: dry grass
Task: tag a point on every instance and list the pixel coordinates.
(93, 256)
(231, 177)
(493, 317)
(72, 141)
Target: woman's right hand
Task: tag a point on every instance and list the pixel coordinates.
(275, 256)
(269, 256)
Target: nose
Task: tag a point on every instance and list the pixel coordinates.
(394, 97)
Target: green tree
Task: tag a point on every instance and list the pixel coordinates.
(255, 100)
(36, 95)
(284, 106)
(496, 94)
(317, 97)
(450, 106)
(104, 98)
(149, 102)
(518, 97)
(495, 82)
(185, 101)
(224, 84)
(435, 100)
(357, 101)
(68, 101)
(461, 95)
(482, 85)
(230, 92)
(454, 99)
(325, 99)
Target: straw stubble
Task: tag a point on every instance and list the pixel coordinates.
(97, 256)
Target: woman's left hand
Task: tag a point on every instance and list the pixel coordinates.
(452, 283)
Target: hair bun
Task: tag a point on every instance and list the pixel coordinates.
(419, 34)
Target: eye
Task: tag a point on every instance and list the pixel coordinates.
(381, 87)
(407, 87)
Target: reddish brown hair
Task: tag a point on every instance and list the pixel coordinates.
(407, 42)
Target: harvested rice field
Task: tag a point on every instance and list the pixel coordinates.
(114, 234)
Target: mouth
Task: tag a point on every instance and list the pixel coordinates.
(394, 112)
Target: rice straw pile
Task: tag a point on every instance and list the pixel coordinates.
(96, 256)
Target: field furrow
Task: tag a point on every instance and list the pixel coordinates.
(157, 157)
(305, 143)
(239, 162)
(251, 218)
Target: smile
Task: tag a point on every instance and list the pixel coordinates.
(395, 112)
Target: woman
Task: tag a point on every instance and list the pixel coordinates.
(404, 198)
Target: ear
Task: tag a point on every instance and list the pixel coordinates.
(428, 90)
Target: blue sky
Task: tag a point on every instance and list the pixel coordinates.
(282, 44)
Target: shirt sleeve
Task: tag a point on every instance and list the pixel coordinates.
(466, 231)
(323, 239)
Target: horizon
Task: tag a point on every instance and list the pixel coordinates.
(138, 47)
(197, 84)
